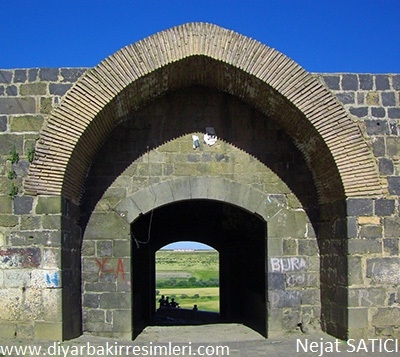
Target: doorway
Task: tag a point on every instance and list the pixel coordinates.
(238, 235)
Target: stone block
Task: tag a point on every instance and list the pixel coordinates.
(3, 123)
(382, 82)
(8, 220)
(376, 127)
(378, 112)
(396, 82)
(32, 74)
(115, 300)
(394, 113)
(59, 88)
(379, 147)
(359, 206)
(364, 246)
(51, 258)
(394, 185)
(122, 248)
(26, 123)
(11, 91)
(357, 318)
(48, 331)
(88, 248)
(46, 105)
(346, 97)
(91, 300)
(288, 224)
(33, 89)
(107, 225)
(281, 298)
(355, 271)
(366, 81)
(349, 82)
(386, 316)
(25, 331)
(49, 74)
(388, 99)
(30, 223)
(104, 248)
(71, 75)
(14, 105)
(391, 246)
(308, 247)
(393, 146)
(333, 82)
(16, 278)
(386, 166)
(8, 329)
(51, 221)
(369, 220)
(373, 98)
(122, 320)
(360, 112)
(20, 76)
(6, 76)
(391, 227)
(371, 232)
(5, 204)
(52, 308)
(290, 247)
(48, 205)
(23, 204)
(384, 270)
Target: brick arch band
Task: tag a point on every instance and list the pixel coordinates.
(205, 54)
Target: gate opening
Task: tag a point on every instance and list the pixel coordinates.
(238, 235)
(187, 284)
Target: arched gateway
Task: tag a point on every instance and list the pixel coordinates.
(272, 193)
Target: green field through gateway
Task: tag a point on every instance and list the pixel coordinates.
(190, 277)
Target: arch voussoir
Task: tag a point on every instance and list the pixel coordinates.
(79, 116)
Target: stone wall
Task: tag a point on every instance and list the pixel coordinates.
(31, 234)
(30, 227)
(373, 102)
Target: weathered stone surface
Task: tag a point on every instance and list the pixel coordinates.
(384, 270)
(386, 316)
(27, 123)
(394, 185)
(48, 205)
(384, 207)
(33, 89)
(23, 204)
(359, 207)
(48, 74)
(14, 105)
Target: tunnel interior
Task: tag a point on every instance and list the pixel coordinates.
(238, 235)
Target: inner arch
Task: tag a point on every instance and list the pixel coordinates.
(238, 235)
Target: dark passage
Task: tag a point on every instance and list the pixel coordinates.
(238, 235)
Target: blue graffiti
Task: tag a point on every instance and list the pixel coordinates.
(53, 279)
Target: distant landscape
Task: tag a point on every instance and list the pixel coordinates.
(190, 277)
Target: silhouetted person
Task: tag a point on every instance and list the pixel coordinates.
(174, 303)
(162, 301)
(167, 303)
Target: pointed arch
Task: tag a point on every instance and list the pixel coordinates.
(198, 53)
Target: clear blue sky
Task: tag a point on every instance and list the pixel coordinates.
(320, 35)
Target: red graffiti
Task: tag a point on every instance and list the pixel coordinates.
(120, 269)
(104, 269)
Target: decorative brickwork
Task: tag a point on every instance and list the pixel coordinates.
(265, 78)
